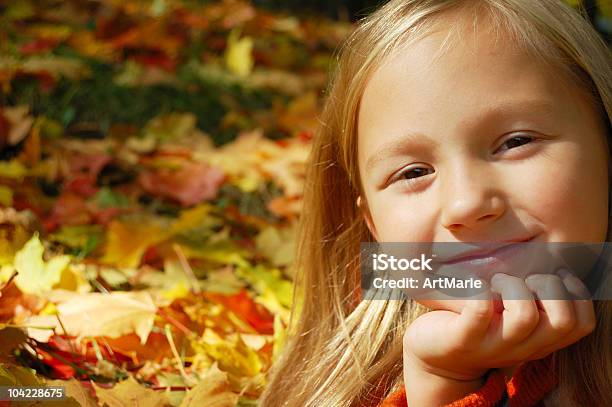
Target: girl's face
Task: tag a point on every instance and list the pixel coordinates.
(479, 143)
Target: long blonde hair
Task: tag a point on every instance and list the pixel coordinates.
(345, 352)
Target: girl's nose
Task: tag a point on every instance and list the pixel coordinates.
(470, 199)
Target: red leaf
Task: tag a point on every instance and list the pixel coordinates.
(193, 183)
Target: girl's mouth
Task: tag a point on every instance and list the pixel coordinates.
(509, 257)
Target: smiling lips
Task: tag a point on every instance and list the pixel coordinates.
(487, 254)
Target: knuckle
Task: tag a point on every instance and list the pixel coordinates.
(563, 323)
(527, 317)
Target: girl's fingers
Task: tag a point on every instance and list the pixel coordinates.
(562, 322)
(520, 315)
(583, 306)
(473, 322)
(556, 318)
(556, 301)
(574, 285)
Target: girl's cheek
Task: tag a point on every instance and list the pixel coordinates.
(570, 203)
(400, 218)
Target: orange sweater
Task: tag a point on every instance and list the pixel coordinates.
(528, 387)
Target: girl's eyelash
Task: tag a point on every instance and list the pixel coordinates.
(415, 179)
(410, 180)
(522, 136)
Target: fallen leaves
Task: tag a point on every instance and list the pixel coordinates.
(151, 172)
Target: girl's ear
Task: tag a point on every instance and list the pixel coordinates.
(365, 211)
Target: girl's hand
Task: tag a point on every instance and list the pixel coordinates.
(449, 352)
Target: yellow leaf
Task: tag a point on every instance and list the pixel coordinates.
(198, 216)
(97, 314)
(212, 391)
(238, 55)
(73, 279)
(35, 276)
(232, 354)
(223, 252)
(127, 242)
(130, 393)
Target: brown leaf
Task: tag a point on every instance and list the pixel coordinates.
(130, 393)
(75, 390)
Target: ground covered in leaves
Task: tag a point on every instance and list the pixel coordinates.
(151, 167)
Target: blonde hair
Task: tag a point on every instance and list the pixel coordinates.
(343, 352)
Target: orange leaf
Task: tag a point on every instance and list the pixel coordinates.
(242, 305)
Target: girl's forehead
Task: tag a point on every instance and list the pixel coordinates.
(440, 85)
(433, 71)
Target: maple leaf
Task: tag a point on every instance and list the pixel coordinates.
(232, 354)
(75, 390)
(127, 241)
(100, 314)
(129, 392)
(213, 390)
(191, 184)
(35, 275)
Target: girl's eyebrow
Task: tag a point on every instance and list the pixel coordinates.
(401, 145)
(543, 109)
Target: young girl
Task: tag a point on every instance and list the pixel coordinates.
(454, 121)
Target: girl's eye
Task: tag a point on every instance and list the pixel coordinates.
(411, 174)
(515, 142)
